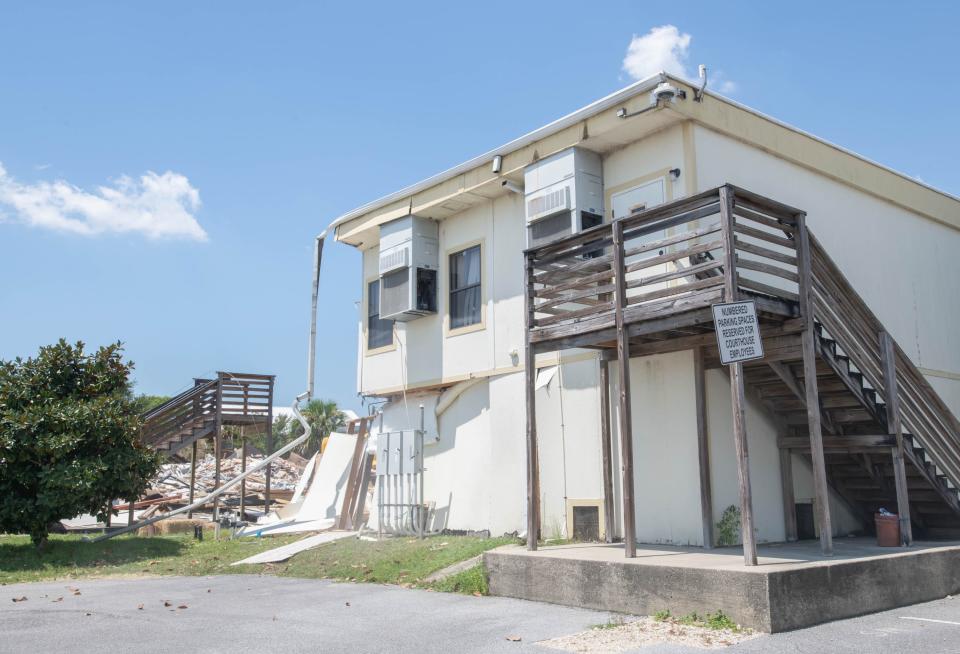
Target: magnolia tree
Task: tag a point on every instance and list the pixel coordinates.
(68, 437)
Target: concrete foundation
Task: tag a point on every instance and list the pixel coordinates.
(792, 587)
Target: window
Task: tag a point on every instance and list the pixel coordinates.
(379, 331)
(465, 287)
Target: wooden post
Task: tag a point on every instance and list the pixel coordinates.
(267, 472)
(894, 427)
(243, 469)
(606, 447)
(789, 503)
(623, 402)
(732, 294)
(130, 518)
(530, 374)
(217, 444)
(818, 462)
(193, 476)
(703, 447)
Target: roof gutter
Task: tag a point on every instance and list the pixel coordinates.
(577, 116)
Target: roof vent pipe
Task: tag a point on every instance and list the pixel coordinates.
(698, 94)
(312, 347)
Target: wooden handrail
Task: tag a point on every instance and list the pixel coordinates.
(230, 395)
(856, 329)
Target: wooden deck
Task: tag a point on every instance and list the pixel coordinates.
(843, 393)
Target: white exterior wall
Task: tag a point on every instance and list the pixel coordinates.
(902, 264)
(666, 473)
(476, 473)
(431, 353)
(473, 455)
(568, 431)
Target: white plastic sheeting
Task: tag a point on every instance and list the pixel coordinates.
(323, 497)
(284, 552)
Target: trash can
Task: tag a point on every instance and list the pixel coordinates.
(888, 529)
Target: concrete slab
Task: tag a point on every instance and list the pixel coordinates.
(793, 586)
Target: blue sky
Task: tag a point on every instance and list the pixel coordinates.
(228, 134)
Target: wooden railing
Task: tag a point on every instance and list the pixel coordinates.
(230, 398)
(847, 319)
(179, 412)
(669, 259)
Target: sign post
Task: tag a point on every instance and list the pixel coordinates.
(738, 332)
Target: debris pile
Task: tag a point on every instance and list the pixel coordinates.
(174, 478)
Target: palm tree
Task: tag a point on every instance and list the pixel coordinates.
(323, 417)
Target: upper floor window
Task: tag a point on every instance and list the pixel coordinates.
(465, 297)
(379, 331)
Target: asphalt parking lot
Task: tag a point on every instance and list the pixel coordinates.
(270, 614)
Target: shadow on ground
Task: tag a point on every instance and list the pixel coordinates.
(18, 554)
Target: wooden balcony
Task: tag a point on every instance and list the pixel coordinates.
(658, 271)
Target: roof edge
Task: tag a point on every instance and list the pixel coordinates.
(591, 109)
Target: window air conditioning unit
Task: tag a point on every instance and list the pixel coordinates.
(563, 196)
(409, 260)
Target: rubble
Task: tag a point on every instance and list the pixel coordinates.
(174, 478)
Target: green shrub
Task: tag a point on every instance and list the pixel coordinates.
(721, 620)
(69, 437)
(728, 529)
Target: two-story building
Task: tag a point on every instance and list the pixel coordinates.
(445, 324)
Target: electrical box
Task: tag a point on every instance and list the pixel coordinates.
(409, 261)
(563, 195)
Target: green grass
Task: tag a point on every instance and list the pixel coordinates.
(394, 561)
(68, 557)
(612, 623)
(719, 620)
(390, 561)
(472, 581)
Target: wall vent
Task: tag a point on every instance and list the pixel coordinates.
(548, 203)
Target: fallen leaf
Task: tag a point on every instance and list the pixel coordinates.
(167, 603)
(183, 606)
(348, 603)
(20, 599)
(88, 614)
(139, 607)
(477, 594)
(208, 590)
(514, 639)
(59, 599)
(76, 592)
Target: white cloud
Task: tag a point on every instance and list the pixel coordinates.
(663, 48)
(157, 206)
(667, 49)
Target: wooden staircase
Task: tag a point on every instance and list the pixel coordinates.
(645, 284)
(198, 413)
(855, 359)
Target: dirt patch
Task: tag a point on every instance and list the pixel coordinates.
(639, 632)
